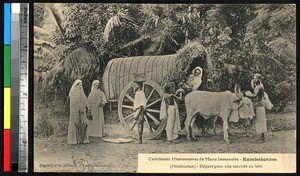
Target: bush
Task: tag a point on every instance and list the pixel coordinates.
(281, 121)
(44, 127)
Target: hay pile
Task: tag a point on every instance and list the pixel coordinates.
(185, 57)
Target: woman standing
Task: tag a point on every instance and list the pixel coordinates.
(260, 121)
(95, 103)
(169, 110)
(78, 120)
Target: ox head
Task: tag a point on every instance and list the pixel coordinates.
(242, 107)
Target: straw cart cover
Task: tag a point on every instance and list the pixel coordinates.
(158, 70)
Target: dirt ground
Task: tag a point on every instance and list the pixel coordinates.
(53, 154)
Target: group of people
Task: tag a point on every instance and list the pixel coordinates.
(86, 114)
(87, 118)
(169, 107)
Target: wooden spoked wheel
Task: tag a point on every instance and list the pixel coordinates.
(153, 126)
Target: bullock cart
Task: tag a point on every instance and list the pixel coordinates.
(158, 70)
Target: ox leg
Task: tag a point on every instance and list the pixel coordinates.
(247, 127)
(201, 124)
(204, 130)
(187, 126)
(204, 125)
(192, 136)
(191, 126)
(214, 125)
(229, 133)
(225, 131)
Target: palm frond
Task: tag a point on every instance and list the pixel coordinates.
(50, 75)
(136, 42)
(147, 25)
(111, 24)
(283, 48)
(55, 38)
(43, 42)
(56, 16)
(276, 61)
(38, 31)
(120, 19)
(44, 58)
(173, 40)
(269, 63)
(130, 20)
(39, 77)
(43, 53)
(80, 63)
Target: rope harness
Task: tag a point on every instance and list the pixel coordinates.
(245, 109)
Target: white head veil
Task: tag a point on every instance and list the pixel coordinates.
(77, 96)
(73, 87)
(93, 88)
(96, 94)
(198, 68)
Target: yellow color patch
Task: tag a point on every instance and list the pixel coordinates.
(7, 108)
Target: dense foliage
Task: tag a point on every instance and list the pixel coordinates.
(239, 40)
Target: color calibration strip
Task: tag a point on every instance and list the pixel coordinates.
(16, 54)
(7, 86)
(15, 81)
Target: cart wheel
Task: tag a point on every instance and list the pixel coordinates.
(153, 126)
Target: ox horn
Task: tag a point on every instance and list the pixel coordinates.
(237, 91)
(237, 88)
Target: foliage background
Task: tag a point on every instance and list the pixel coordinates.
(75, 41)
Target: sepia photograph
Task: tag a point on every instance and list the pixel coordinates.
(128, 87)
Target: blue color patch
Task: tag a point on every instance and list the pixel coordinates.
(7, 23)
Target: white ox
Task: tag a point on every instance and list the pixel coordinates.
(227, 105)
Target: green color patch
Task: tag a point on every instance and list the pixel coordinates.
(7, 66)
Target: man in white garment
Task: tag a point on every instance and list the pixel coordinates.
(139, 104)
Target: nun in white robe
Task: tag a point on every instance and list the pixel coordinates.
(96, 101)
(77, 115)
